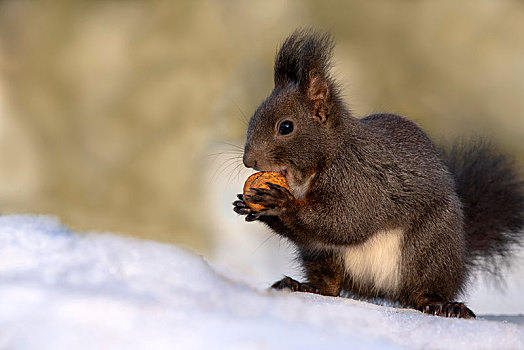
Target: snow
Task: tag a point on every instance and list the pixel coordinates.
(60, 289)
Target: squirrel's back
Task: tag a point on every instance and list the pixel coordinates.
(418, 173)
(487, 182)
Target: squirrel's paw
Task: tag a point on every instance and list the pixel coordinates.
(447, 309)
(275, 199)
(240, 207)
(295, 286)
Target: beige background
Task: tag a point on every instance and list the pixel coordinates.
(123, 115)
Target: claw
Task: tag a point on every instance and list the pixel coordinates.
(295, 286)
(242, 211)
(448, 309)
(251, 217)
(240, 207)
(239, 203)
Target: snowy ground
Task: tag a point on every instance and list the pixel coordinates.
(63, 290)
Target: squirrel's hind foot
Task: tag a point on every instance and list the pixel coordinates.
(447, 309)
(295, 286)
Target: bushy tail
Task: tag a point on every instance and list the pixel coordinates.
(491, 189)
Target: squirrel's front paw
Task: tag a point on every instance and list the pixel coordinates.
(275, 200)
(240, 207)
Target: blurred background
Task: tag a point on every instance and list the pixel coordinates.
(126, 116)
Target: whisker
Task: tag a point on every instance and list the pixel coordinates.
(233, 171)
(233, 145)
(211, 159)
(236, 152)
(225, 143)
(245, 119)
(239, 170)
(220, 170)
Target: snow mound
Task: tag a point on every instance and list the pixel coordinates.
(64, 290)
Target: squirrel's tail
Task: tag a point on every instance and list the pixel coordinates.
(491, 189)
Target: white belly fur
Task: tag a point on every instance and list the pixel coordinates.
(375, 262)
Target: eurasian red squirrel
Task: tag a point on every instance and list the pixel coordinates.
(375, 208)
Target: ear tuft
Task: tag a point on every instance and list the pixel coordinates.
(304, 60)
(303, 52)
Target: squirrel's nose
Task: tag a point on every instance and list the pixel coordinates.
(249, 160)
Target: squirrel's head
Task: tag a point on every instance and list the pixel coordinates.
(298, 125)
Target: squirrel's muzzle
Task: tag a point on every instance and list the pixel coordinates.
(249, 158)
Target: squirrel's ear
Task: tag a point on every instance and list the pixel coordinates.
(303, 61)
(318, 92)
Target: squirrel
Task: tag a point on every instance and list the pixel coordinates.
(376, 209)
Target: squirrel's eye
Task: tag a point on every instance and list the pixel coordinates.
(286, 127)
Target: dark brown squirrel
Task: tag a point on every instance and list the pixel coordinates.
(375, 210)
